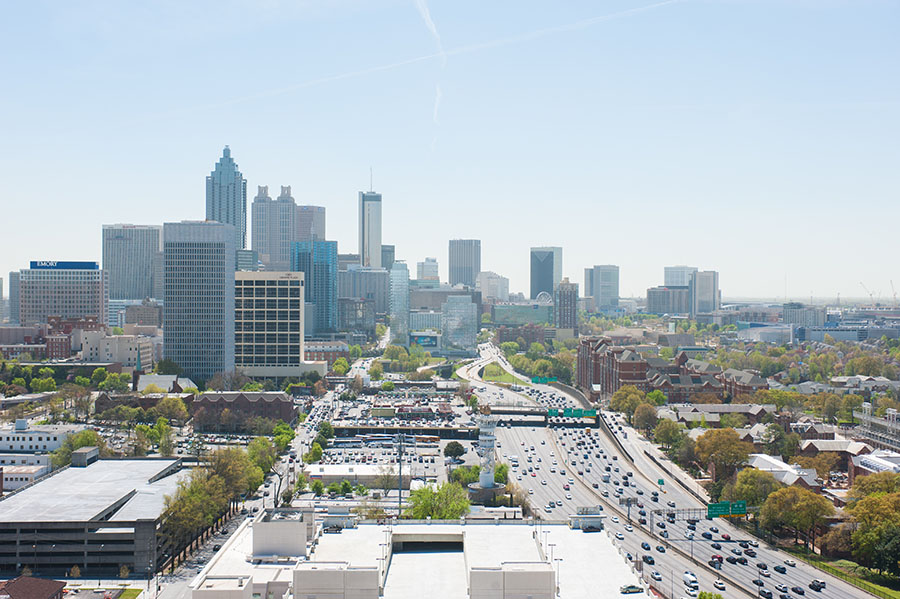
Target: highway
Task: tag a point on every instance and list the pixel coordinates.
(549, 446)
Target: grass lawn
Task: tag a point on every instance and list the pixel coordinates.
(494, 373)
(851, 570)
(130, 594)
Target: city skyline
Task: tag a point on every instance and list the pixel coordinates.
(735, 136)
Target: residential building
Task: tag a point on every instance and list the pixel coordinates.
(67, 289)
(131, 351)
(565, 306)
(669, 300)
(310, 221)
(357, 315)
(268, 324)
(105, 515)
(465, 261)
(678, 276)
(24, 437)
(226, 198)
(388, 255)
(326, 351)
(399, 309)
(786, 474)
(317, 260)
(360, 282)
(805, 316)
(370, 229)
(546, 270)
(28, 587)
(493, 287)
(428, 270)
(198, 327)
(130, 253)
(705, 295)
(605, 290)
(272, 405)
(459, 325)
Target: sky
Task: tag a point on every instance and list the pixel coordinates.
(759, 138)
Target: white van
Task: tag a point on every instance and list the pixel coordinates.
(690, 579)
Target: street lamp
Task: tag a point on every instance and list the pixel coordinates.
(557, 560)
(99, 562)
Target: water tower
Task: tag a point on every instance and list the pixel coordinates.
(486, 488)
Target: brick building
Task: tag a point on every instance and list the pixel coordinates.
(274, 405)
(327, 351)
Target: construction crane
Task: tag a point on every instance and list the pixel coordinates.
(871, 296)
(894, 291)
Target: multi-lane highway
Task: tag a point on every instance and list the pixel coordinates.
(555, 450)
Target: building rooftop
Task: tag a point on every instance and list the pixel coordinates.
(117, 489)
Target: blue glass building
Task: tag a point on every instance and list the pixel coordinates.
(318, 261)
(226, 197)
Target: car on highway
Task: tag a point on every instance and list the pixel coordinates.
(780, 569)
(798, 590)
(719, 584)
(790, 562)
(645, 546)
(781, 588)
(615, 519)
(660, 548)
(656, 576)
(648, 559)
(706, 535)
(716, 545)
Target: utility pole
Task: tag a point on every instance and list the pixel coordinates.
(400, 476)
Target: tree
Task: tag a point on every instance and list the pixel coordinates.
(501, 474)
(98, 376)
(723, 449)
(509, 348)
(124, 572)
(356, 385)
(887, 551)
(232, 380)
(152, 389)
(318, 488)
(262, 453)
(314, 454)
(668, 433)
(173, 409)
(657, 397)
(166, 437)
(449, 501)
(75, 572)
(115, 383)
(167, 366)
(346, 487)
(732, 420)
(645, 417)
(86, 438)
(881, 482)
(82, 381)
(43, 385)
(235, 468)
(340, 366)
(376, 371)
(535, 351)
(796, 508)
(824, 463)
(355, 352)
(626, 400)
(454, 449)
(752, 486)
(326, 429)
(395, 352)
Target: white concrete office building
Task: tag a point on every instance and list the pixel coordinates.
(370, 229)
(130, 253)
(67, 289)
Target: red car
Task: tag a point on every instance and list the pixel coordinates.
(566, 486)
(717, 557)
(726, 536)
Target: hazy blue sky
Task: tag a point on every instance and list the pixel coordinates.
(758, 138)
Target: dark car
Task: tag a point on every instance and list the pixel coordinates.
(731, 559)
(762, 566)
(660, 548)
(645, 546)
(716, 545)
(816, 586)
(750, 552)
(743, 544)
(642, 520)
(706, 535)
(742, 560)
(798, 590)
(648, 559)
(759, 582)
(780, 569)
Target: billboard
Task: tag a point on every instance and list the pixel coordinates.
(60, 265)
(424, 340)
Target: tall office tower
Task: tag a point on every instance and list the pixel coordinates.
(492, 286)
(66, 289)
(268, 324)
(274, 228)
(546, 269)
(459, 325)
(159, 272)
(705, 295)
(428, 270)
(310, 220)
(589, 283)
(317, 260)
(388, 254)
(128, 259)
(606, 287)
(400, 303)
(669, 300)
(358, 282)
(370, 229)
(678, 276)
(14, 298)
(226, 197)
(198, 322)
(465, 261)
(565, 306)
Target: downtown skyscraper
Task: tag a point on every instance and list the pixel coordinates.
(317, 260)
(279, 223)
(370, 229)
(131, 257)
(198, 328)
(546, 270)
(226, 197)
(465, 261)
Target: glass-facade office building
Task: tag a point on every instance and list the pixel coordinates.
(318, 262)
(130, 253)
(459, 325)
(198, 328)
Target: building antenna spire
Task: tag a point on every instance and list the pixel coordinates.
(371, 188)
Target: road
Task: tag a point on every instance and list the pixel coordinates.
(548, 446)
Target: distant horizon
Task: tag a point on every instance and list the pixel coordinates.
(641, 134)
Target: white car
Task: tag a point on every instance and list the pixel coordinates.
(531, 491)
(615, 519)
(569, 496)
(656, 576)
(620, 536)
(628, 528)
(790, 562)
(719, 585)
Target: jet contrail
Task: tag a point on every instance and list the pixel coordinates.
(422, 5)
(443, 54)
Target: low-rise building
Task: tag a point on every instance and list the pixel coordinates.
(274, 405)
(787, 474)
(33, 438)
(880, 460)
(16, 477)
(326, 351)
(130, 351)
(29, 587)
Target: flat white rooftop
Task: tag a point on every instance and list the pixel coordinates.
(79, 494)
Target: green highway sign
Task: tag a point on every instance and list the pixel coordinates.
(577, 413)
(590, 413)
(724, 509)
(567, 412)
(543, 380)
(660, 482)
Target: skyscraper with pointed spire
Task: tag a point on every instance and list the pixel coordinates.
(226, 197)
